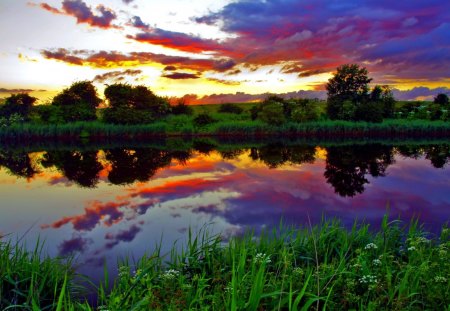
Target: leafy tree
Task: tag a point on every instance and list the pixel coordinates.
(133, 104)
(78, 102)
(350, 83)
(442, 99)
(17, 104)
(305, 110)
(272, 113)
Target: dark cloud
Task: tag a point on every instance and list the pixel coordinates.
(170, 68)
(76, 244)
(177, 40)
(84, 14)
(111, 59)
(5, 90)
(122, 236)
(116, 75)
(407, 40)
(127, 1)
(137, 22)
(181, 75)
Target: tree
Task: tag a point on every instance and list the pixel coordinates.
(441, 99)
(133, 104)
(19, 104)
(78, 102)
(350, 83)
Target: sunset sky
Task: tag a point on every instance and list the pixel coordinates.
(212, 48)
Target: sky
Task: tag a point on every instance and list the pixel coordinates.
(213, 51)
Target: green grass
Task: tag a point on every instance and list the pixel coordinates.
(228, 125)
(318, 267)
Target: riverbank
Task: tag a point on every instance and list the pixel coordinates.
(179, 127)
(396, 267)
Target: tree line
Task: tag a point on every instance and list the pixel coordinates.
(349, 98)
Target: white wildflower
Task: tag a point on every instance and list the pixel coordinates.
(368, 279)
(371, 246)
(170, 274)
(376, 262)
(412, 248)
(262, 258)
(440, 279)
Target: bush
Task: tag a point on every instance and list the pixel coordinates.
(125, 115)
(370, 112)
(203, 119)
(305, 110)
(17, 104)
(272, 113)
(230, 108)
(78, 102)
(182, 108)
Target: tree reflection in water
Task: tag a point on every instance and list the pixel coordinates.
(346, 167)
(81, 167)
(18, 163)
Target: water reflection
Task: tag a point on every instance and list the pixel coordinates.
(346, 168)
(104, 203)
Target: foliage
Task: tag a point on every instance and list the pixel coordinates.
(272, 113)
(397, 267)
(305, 110)
(230, 108)
(48, 114)
(182, 108)
(203, 119)
(18, 105)
(31, 281)
(126, 115)
(78, 102)
(137, 104)
(350, 83)
(442, 99)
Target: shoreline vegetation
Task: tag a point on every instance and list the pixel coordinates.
(393, 267)
(352, 110)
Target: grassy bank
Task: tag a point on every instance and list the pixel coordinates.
(181, 126)
(321, 267)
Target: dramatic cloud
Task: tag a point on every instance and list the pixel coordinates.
(408, 40)
(117, 76)
(84, 14)
(111, 59)
(177, 40)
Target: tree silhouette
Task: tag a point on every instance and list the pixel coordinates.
(275, 155)
(78, 102)
(346, 167)
(20, 104)
(18, 163)
(81, 167)
(141, 164)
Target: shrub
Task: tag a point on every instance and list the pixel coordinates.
(17, 104)
(125, 115)
(272, 113)
(203, 119)
(78, 102)
(305, 110)
(182, 108)
(48, 114)
(230, 108)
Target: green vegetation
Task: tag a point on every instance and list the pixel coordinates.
(323, 267)
(137, 111)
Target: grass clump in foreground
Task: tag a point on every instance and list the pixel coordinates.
(316, 268)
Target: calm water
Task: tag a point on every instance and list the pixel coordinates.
(103, 203)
